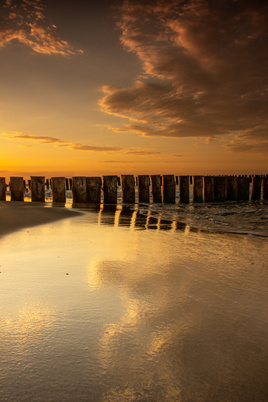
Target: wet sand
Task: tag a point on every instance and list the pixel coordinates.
(110, 306)
(17, 215)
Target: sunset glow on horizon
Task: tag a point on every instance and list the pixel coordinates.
(133, 87)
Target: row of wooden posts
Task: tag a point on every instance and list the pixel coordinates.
(163, 188)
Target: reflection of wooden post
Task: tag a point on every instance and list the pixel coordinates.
(2, 189)
(143, 188)
(256, 188)
(156, 188)
(17, 188)
(265, 187)
(220, 188)
(38, 188)
(197, 188)
(184, 189)
(79, 190)
(232, 188)
(58, 189)
(110, 189)
(209, 188)
(242, 189)
(94, 190)
(169, 189)
(128, 188)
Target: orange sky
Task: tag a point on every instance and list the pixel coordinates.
(133, 87)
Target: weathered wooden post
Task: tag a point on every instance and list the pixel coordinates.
(169, 189)
(220, 188)
(265, 187)
(94, 189)
(2, 189)
(67, 185)
(209, 191)
(184, 189)
(242, 189)
(58, 189)
(79, 190)
(143, 188)
(197, 188)
(17, 188)
(47, 184)
(128, 189)
(38, 188)
(156, 188)
(110, 189)
(256, 188)
(232, 188)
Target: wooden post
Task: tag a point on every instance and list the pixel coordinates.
(169, 189)
(38, 188)
(256, 188)
(67, 186)
(184, 189)
(94, 189)
(209, 188)
(2, 189)
(265, 187)
(143, 188)
(17, 188)
(128, 189)
(232, 188)
(47, 184)
(156, 188)
(220, 188)
(197, 188)
(110, 189)
(242, 189)
(58, 189)
(79, 190)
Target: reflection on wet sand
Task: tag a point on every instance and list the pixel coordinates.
(143, 315)
(125, 216)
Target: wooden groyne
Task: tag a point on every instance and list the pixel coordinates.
(141, 189)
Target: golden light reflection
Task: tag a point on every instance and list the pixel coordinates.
(26, 322)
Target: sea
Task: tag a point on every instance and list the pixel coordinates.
(249, 218)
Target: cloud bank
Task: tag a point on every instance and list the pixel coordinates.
(205, 71)
(78, 147)
(25, 22)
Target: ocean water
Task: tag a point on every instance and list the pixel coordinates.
(136, 303)
(243, 217)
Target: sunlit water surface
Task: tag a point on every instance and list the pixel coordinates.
(117, 306)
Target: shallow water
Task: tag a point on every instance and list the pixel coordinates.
(120, 305)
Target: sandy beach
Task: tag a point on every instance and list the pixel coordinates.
(15, 215)
(102, 306)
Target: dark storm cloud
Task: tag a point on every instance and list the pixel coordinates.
(205, 70)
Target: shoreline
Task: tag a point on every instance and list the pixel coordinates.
(16, 215)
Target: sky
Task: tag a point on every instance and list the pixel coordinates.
(133, 87)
